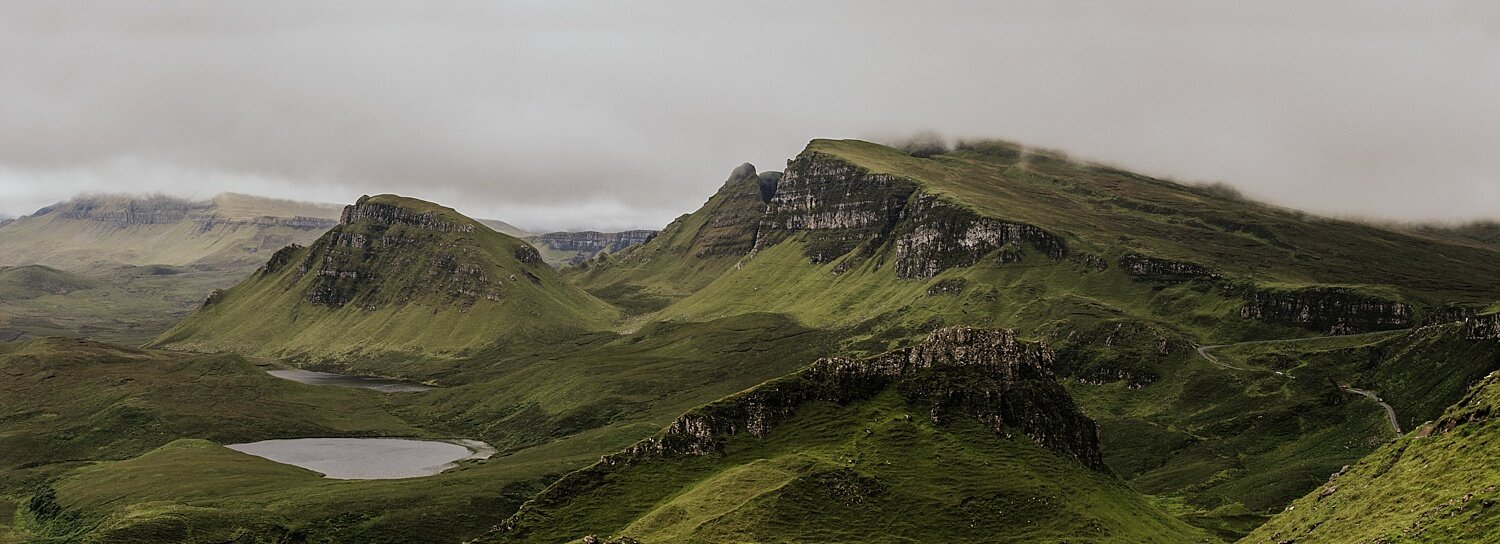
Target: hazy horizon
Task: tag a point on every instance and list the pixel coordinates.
(603, 116)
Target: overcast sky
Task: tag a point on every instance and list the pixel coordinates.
(612, 114)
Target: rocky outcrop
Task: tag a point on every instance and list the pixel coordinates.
(837, 205)
(1164, 270)
(386, 253)
(957, 372)
(935, 235)
(587, 244)
(1336, 310)
(384, 214)
(1483, 327)
(840, 208)
(950, 287)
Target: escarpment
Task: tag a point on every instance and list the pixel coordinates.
(1164, 270)
(935, 235)
(838, 206)
(956, 372)
(1335, 310)
(585, 245)
(161, 210)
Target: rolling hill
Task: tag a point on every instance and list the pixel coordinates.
(397, 278)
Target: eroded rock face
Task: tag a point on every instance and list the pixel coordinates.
(1154, 269)
(586, 244)
(840, 206)
(934, 236)
(388, 214)
(382, 254)
(1485, 327)
(958, 372)
(1332, 309)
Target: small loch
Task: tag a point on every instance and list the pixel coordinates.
(368, 458)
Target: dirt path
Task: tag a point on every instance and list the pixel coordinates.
(1390, 413)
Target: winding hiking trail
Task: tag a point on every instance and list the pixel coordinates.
(1390, 413)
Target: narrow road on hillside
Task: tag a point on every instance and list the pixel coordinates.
(1390, 413)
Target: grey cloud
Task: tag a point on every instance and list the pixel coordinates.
(613, 115)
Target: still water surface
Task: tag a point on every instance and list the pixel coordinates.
(368, 458)
(387, 385)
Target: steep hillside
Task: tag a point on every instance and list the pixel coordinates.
(396, 278)
(854, 208)
(1438, 484)
(1124, 274)
(964, 437)
(229, 231)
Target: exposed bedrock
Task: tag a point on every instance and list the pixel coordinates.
(1335, 310)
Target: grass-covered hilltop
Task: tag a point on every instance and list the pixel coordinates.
(988, 343)
(396, 277)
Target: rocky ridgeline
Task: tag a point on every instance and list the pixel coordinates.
(1154, 269)
(1335, 310)
(162, 210)
(957, 372)
(841, 208)
(587, 244)
(382, 253)
(382, 214)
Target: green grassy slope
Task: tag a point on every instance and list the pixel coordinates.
(1225, 448)
(428, 283)
(65, 401)
(1100, 208)
(1438, 484)
(125, 304)
(837, 453)
(140, 264)
(553, 408)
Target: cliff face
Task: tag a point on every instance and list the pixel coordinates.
(1154, 269)
(934, 236)
(160, 210)
(587, 244)
(957, 372)
(1331, 309)
(839, 206)
(384, 253)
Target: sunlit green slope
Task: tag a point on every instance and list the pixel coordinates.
(964, 437)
